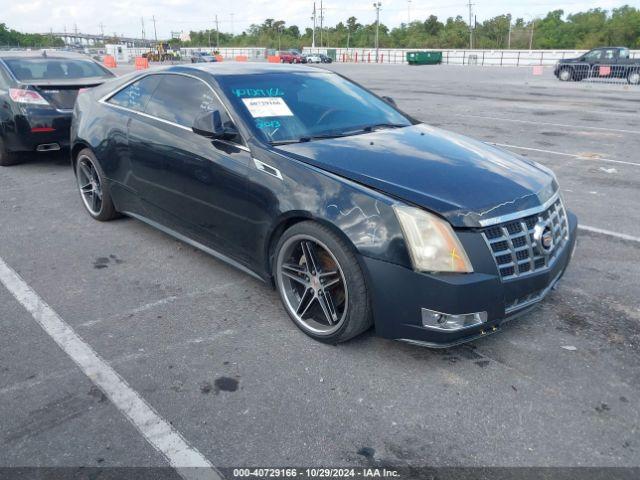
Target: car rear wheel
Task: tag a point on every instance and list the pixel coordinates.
(321, 283)
(565, 75)
(634, 77)
(7, 158)
(93, 188)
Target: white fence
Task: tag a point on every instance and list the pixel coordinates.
(515, 58)
(230, 53)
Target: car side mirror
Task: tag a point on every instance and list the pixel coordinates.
(209, 124)
(390, 101)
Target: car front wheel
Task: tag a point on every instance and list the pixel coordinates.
(565, 75)
(321, 283)
(93, 188)
(634, 78)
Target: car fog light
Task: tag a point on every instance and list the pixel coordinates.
(446, 322)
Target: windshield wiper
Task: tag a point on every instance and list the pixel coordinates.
(379, 126)
(308, 138)
(359, 130)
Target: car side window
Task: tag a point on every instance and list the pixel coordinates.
(609, 54)
(136, 95)
(594, 55)
(179, 99)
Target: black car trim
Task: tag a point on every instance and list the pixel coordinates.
(196, 244)
(105, 101)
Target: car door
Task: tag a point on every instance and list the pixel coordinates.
(125, 105)
(190, 183)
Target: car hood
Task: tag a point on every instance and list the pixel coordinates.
(462, 179)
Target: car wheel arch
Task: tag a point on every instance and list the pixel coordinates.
(75, 150)
(288, 221)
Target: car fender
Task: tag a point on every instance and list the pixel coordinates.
(363, 217)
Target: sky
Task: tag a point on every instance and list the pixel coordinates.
(125, 17)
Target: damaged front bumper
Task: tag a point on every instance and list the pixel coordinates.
(399, 295)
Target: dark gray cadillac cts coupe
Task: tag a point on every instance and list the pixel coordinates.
(359, 214)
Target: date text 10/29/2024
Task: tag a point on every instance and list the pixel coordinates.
(315, 473)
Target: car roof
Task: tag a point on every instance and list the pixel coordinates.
(249, 68)
(51, 54)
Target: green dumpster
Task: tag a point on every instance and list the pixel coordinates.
(331, 53)
(424, 58)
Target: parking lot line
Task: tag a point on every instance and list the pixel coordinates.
(552, 152)
(157, 431)
(551, 124)
(602, 231)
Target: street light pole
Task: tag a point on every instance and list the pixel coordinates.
(377, 7)
(313, 35)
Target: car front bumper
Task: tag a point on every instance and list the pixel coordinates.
(399, 295)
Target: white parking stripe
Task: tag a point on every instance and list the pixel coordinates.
(602, 231)
(563, 125)
(573, 155)
(157, 431)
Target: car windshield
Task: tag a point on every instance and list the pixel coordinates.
(53, 68)
(294, 107)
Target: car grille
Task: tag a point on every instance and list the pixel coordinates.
(513, 245)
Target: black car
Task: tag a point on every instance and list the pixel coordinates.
(357, 213)
(604, 62)
(37, 92)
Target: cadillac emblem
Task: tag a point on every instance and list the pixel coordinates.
(543, 237)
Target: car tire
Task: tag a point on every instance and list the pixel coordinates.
(7, 158)
(93, 187)
(565, 75)
(633, 78)
(332, 283)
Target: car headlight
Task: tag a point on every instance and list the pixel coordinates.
(432, 243)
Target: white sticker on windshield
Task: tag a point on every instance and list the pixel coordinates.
(267, 107)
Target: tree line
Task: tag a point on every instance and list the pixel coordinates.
(582, 30)
(13, 38)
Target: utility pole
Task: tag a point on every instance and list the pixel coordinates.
(217, 33)
(470, 25)
(408, 12)
(377, 7)
(321, 21)
(313, 35)
(155, 32)
(533, 25)
(509, 37)
(142, 21)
